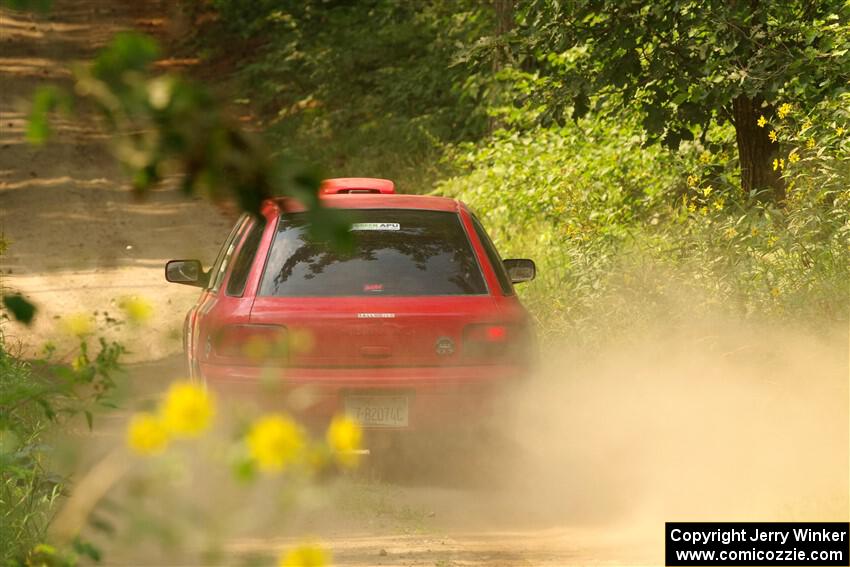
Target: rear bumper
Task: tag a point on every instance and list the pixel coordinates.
(438, 397)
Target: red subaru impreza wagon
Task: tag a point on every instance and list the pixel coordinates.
(418, 327)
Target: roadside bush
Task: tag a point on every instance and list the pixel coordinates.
(362, 88)
(623, 232)
(36, 399)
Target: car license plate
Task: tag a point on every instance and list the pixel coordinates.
(378, 410)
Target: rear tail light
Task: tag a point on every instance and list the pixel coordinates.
(496, 342)
(255, 344)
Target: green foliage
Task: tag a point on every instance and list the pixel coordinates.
(164, 123)
(28, 5)
(624, 234)
(683, 63)
(21, 309)
(366, 88)
(35, 398)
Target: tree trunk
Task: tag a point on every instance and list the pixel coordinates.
(755, 150)
(504, 16)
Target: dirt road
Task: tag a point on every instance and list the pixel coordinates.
(676, 428)
(78, 241)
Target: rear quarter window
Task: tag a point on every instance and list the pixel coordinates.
(245, 259)
(396, 252)
(493, 257)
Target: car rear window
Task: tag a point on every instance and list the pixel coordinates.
(396, 252)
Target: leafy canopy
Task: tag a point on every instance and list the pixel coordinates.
(683, 62)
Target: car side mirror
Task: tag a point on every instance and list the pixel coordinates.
(187, 272)
(520, 270)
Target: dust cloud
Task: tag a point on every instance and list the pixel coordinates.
(718, 421)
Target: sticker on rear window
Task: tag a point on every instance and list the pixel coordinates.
(376, 226)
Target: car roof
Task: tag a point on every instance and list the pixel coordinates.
(375, 201)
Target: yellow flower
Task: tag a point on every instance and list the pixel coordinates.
(344, 436)
(839, 131)
(692, 180)
(138, 310)
(771, 240)
(775, 164)
(761, 121)
(78, 325)
(275, 441)
(707, 191)
(784, 110)
(305, 556)
(772, 135)
(793, 157)
(810, 143)
(718, 204)
(692, 207)
(187, 409)
(807, 124)
(705, 157)
(301, 341)
(731, 232)
(774, 292)
(79, 362)
(146, 434)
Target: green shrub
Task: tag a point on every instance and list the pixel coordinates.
(362, 88)
(35, 399)
(624, 233)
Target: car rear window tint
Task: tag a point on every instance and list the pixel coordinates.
(396, 252)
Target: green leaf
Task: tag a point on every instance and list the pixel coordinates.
(44, 102)
(21, 309)
(28, 5)
(128, 51)
(86, 549)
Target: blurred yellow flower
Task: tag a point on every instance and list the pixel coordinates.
(344, 436)
(774, 292)
(79, 362)
(137, 309)
(772, 135)
(807, 124)
(731, 232)
(187, 409)
(784, 110)
(305, 556)
(810, 143)
(301, 341)
(793, 157)
(274, 442)
(761, 121)
(692, 180)
(839, 131)
(146, 434)
(78, 324)
(705, 157)
(707, 191)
